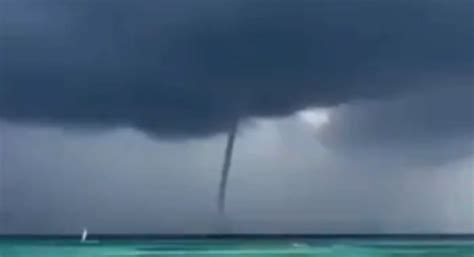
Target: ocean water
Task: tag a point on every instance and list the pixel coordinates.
(236, 248)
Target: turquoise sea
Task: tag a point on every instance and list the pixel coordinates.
(235, 248)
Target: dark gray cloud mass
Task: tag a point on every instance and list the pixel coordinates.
(441, 113)
(425, 127)
(182, 68)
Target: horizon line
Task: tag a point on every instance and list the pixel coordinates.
(243, 236)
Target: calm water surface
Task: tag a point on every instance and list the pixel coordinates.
(235, 248)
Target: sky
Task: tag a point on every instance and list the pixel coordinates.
(352, 116)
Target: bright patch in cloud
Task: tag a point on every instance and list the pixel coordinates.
(314, 117)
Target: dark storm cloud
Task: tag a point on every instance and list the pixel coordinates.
(186, 68)
(419, 117)
(427, 128)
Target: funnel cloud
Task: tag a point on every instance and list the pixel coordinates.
(226, 167)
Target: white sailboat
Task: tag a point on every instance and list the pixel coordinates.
(84, 235)
(84, 239)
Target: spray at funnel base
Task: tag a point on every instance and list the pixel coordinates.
(226, 167)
